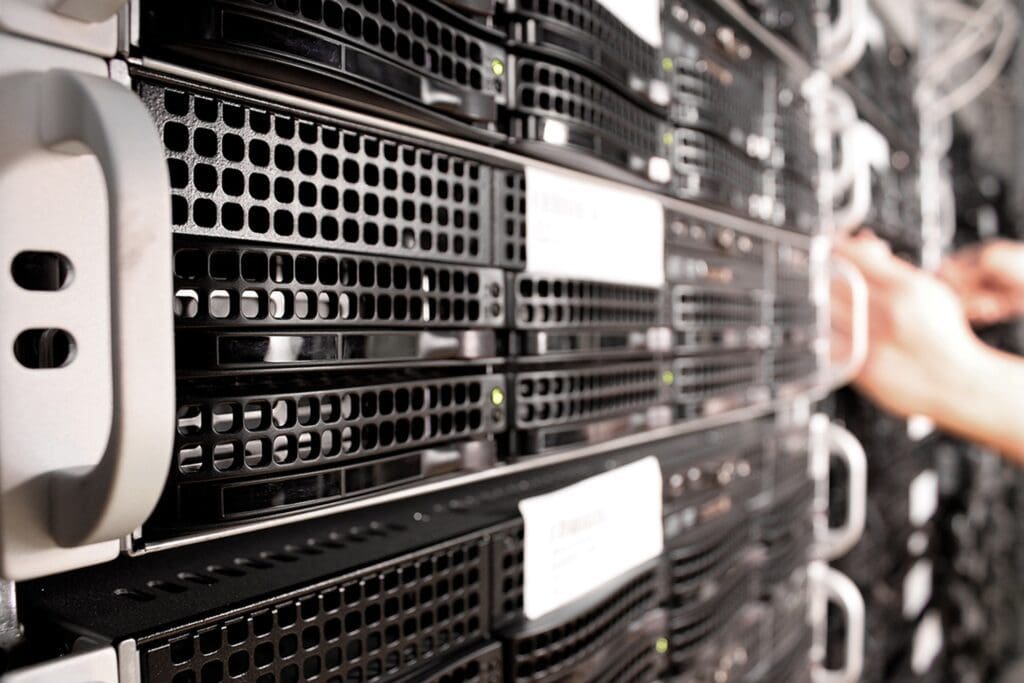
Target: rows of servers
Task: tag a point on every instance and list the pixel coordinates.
(433, 263)
(391, 594)
(357, 307)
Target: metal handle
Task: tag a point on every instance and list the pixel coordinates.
(829, 585)
(843, 42)
(846, 372)
(78, 113)
(864, 149)
(831, 439)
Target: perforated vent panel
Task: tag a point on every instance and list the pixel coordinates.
(224, 430)
(587, 31)
(714, 171)
(244, 287)
(697, 624)
(792, 364)
(553, 397)
(374, 625)
(482, 666)
(401, 48)
(510, 219)
(539, 654)
(601, 121)
(508, 573)
(715, 308)
(550, 303)
(240, 170)
(712, 96)
(710, 384)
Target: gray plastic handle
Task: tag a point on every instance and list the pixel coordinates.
(84, 114)
(89, 11)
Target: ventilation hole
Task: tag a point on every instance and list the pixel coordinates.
(134, 594)
(44, 348)
(42, 271)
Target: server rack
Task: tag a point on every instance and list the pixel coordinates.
(362, 372)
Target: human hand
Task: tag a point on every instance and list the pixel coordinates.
(989, 280)
(919, 338)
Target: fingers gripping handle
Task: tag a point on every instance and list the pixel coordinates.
(831, 439)
(847, 371)
(831, 586)
(79, 113)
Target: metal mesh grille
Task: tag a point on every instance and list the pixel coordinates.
(793, 136)
(712, 96)
(695, 624)
(508, 573)
(794, 364)
(553, 397)
(799, 203)
(397, 29)
(617, 129)
(706, 559)
(534, 656)
(397, 48)
(714, 308)
(711, 384)
(374, 625)
(482, 666)
(714, 171)
(510, 219)
(225, 284)
(640, 666)
(590, 32)
(242, 171)
(551, 302)
(223, 431)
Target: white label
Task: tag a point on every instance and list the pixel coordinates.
(587, 534)
(928, 643)
(643, 17)
(917, 589)
(924, 497)
(579, 228)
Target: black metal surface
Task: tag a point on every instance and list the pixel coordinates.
(565, 110)
(245, 170)
(590, 36)
(406, 53)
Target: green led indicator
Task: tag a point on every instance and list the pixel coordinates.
(666, 64)
(498, 67)
(661, 645)
(497, 396)
(667, 139)
(668, 377)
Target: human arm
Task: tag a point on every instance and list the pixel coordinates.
(924, 359)
(989, 279)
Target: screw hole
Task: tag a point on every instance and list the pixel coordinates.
(42, 271)
(41, 348)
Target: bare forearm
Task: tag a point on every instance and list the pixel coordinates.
(983, 401)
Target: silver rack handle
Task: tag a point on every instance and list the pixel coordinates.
(84, 114)
(830, 439)
(842, 43)
(847, 371)
(829, 585)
